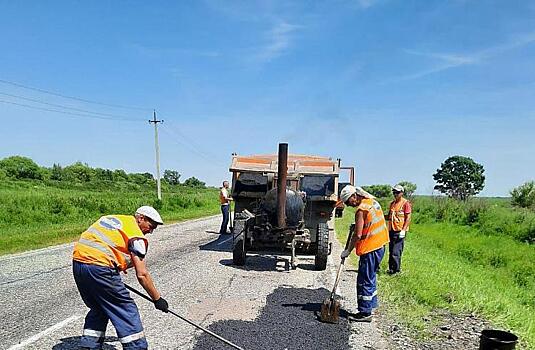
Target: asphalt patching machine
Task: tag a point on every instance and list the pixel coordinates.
(284, 203)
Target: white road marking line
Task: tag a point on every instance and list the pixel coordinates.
(51, 329)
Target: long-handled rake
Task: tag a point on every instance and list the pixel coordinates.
(185, 319)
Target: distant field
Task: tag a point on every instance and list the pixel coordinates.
(34, 215)
(470, 261)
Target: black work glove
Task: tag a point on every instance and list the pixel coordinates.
(161, 304)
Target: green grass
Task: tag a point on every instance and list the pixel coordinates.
(34, 215)
(464, 270)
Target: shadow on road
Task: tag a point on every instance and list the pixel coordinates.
(223, 243)
(256, 263)
(73, 343)
(290, 320)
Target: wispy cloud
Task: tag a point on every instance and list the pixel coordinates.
(279, 39)
(454, 60)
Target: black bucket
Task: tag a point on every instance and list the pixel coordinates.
(493, 339)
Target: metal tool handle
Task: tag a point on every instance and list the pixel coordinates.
(185, 319)
(349, 235)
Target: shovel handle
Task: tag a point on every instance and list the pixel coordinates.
(349, 235)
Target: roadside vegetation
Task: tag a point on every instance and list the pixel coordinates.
(466, 257)
(39, 210)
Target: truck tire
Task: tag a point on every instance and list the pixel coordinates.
(239, 253)
(322, 252)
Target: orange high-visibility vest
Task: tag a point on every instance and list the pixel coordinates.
(223, 197)
(105, 243)
(374, 232)
(396, 218)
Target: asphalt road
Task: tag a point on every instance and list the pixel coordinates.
(259, 306)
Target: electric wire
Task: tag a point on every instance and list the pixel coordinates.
(68, 113)
(177, 139)
(64, 107)
(190, 143)
(72, 97)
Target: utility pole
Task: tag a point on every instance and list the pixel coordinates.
(157, 147)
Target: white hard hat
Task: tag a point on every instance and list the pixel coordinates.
(347, 192)
(151, 213)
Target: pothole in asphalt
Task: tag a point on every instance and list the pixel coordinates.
(289, 320)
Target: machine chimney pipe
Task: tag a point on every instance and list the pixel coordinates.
(281, 184)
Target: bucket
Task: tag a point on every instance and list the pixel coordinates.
(493, 339)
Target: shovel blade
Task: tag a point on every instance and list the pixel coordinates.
(330, 311)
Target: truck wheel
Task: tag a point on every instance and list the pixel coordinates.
(322, 241)
(239, 253)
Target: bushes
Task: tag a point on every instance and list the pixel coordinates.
(18, 167)
(379, 191)
(490, 216)
(524, 195)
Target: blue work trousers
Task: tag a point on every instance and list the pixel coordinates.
(104, 293)
(226, 216)
(395, 250)
(367, 280)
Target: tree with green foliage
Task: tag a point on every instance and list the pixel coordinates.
(524, 195)
(172, 177)
(379, 191)
(460, 177)
(18, 167)
(79, 172)
(103, 174)
(119, 175)
(141, 178)
(194, 182)
(56, 172)
(409, 188)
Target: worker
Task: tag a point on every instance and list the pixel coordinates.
(399, 219)
(112, 244)
(225, 200)
(369, 239)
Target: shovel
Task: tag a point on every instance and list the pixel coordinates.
(330, 309)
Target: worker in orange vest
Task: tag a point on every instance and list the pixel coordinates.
(368, 240)
(399, 219)
(224, 200)
(112, 244)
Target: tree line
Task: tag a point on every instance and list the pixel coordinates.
(24, 168)
(460, 178)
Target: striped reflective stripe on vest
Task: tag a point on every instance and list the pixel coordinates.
(102, 248)
(132, 337)
(101, 235)
(376, 219)
(367, 297)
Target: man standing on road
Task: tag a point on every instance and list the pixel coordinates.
(369, 239)
(399, 218)
(115, 243)
(224, 199)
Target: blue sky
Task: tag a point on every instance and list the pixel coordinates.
(391, 87)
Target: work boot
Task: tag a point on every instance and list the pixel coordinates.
(360, 317)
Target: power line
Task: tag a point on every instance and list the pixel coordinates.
(72, 97)
(192, 145)
(67, 113)
(62, 106)
(174, 138)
